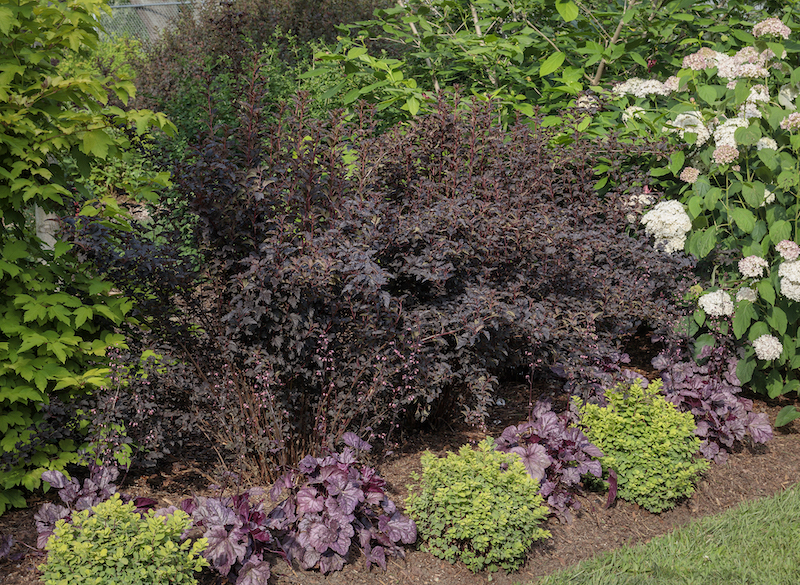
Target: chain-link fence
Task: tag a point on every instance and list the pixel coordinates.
(143, 19)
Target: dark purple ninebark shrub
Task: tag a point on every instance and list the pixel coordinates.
(370, 283)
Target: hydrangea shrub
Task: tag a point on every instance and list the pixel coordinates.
(733, 117)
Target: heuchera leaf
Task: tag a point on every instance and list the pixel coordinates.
(6, 542)
(254, 572)
(309, 502)
(224, 548)
(398, 528)
(535, 459)
(354, 441)
(759, 428)
(55, 478)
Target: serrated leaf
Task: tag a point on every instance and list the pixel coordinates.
(744, 315)
(777, 319)
(766, 291)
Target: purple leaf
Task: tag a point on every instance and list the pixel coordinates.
(612, 488)
(331, 562)
(55, 478)
(398, 528)
(759, 428)
(46, 519)
(308, 465)
(349, 498)
(6, 542)
(224, 549)
(354, 441)
(377, 556)
(254, 572)
(535, 459)
(308, 502)
(212, 513)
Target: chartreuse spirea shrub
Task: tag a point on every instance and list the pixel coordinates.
(648, 442)
(732, 113)
(478, 506)
(112, 544)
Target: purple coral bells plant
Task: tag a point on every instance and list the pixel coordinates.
(331, 502)
(709, 390)
(555, 453)
(238, 534)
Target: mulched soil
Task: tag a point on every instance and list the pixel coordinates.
(752, 472)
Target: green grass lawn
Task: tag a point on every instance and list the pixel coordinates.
(757, 543)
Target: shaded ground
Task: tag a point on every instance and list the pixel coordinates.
(752, 472)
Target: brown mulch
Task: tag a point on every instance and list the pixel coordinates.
(752, 472)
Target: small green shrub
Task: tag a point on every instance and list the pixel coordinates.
(479, 506)
(648, 442)
(111, 544)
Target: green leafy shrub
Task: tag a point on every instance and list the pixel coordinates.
(478, 506)
(648, 442)
(113, 544)
(58, 318)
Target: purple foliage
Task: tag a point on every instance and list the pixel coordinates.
(554, 453)
(97, 488)
(238, 534)
(332, 504)
(709, 390)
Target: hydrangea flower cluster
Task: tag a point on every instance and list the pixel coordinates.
(690, 175)
(791, 122)
(690, 122)
(725, 154)
(772, 26)
(768, 347)
(753, 266)
(788, 249)
(669, 223)
(766, 142)
(790, 279)
(643, 87)
(746, 294)
(716, 304)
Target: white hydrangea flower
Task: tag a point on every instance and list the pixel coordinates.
(790, 289)
(790, 270)
(641, 87)
(716, 304)
(786, 96)
(768, 347)
(753, 266)
(723, 134)
(669, 223)
(766, 142)
(690, 122)
(788, 249)
(746, 294)
(769, 197)
(632, 113)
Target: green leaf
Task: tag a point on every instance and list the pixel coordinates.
(744, 218)
(777, 319)
(705, 340)
(766, 291)
(746, 367)
(780, 230)
(744, 315)
(786, 415)
(774, 383)
(676, 162)
(707, 93)
(552, 63)
(15, 250)
(568, 10)
(97, 142)
(412, 105)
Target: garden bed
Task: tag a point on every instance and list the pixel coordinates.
(751, 472)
